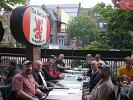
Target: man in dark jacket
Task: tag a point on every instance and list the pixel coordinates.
(11, 71)
(40, 77)
(95, 78)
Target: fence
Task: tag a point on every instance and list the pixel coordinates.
(73, 58)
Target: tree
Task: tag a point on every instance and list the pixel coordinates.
(82, 27)
(103, 11)
(119, 25)
(7, 5)
(119, 29)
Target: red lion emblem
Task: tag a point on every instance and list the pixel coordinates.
(38, 29)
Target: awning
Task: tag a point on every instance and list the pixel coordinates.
(124, 4)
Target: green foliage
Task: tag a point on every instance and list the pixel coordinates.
(120, 25)
(93, 46)
(82, 27)
(8, 4)
(76, 63)
(119, 28)
(103, 11)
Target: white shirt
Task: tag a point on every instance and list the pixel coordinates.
(43, 80)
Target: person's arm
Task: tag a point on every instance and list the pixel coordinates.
(9, 80)
(119, 72)
(65, 67)
(50, 83)
(41, 94)
(24, 95)
(17, 86)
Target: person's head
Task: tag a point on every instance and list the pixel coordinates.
(54, 58)
(50, 62)
(94, 66)
(61, 56)
(105, 72)
(38, 65)
(12, 64)
(128, 61)
(100, 64)
(97, 57)
(27, 67)
(89, 58)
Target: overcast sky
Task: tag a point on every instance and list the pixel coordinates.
(84, 3)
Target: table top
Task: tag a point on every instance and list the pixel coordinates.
(65, 94)
(68, 88)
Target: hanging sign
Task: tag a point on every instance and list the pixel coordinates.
(30, 25)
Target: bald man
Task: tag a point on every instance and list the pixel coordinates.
(40, 76)
(96, 76)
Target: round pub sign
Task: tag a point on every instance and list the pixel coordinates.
(30, 25)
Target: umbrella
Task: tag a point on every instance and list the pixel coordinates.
(123, 4)
(126, 5)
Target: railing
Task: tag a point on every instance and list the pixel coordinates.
(72, 61)
(73, 58)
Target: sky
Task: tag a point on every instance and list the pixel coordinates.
(84, 3)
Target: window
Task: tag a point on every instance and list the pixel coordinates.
(61, 41)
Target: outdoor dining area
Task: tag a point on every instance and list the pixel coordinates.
(95, 79)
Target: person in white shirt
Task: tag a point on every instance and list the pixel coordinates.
(40, 77)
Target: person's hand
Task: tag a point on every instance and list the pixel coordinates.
(68, 67)
(4, 77)
(86, 93)
(50, 88)
(51, 84)
(84, 73)
(40, 86)
(62, 76)
(43, 96)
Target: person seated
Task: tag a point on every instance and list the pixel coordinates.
(127, 70)
(89, 59)
(60, 64)
(39, 76)
(95, 77)
(11, 71)
(100, 64)
(54, 65)
(98, 58)
(104, 87)
(130, 92)
(24, 86)
(50, 73)
(87, 64)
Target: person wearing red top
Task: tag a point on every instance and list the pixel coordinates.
(50, 73)
(24, 85)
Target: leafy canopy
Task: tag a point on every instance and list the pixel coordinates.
(7, 5)
(119, 25)
(82, 27)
